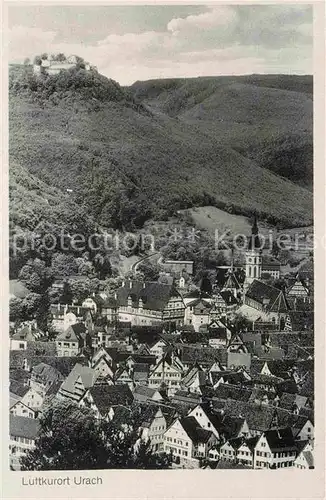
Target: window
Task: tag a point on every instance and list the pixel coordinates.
(21, 346)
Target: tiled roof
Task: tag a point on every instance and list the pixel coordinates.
(258, 417)
(106, 396)
(267, 295)
(270, 263)
(228, 297)
(87, 375)
(236, 442)
(18, 388)
(301, 320)
(309, 458)
(196, 433)
(279, 439)
(307, 388)
(144, 359)
(19, 374)
(148, 414)
(142, 392)
(141, 368)
(47, 372)
(228, 391)
(70, 334)
(287, 401)
(186, 397)
(121, 414)
(231, 425)
(154, 295)
(23, 427)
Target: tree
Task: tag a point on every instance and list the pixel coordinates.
(27, 61)
(66, 296)
(16, 310)
(31, 303)
(150, 270)
(71, 438)
(38, 60)
(206, 285)
(64, 265)
(102, 266)
(36, 276)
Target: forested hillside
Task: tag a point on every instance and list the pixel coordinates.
(266, 118)
(128, 159)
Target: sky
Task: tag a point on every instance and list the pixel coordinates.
(130, 43)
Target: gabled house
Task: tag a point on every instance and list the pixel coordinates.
(305, 457)
(23, 433)
(122, 377)
(64, 316)
(140, 373)
(303, 430)
(298, 289)
(194, 379)
(236, 344)
(27, 395)
(166, 375)
(80, 379)
(144, 394)
(99, 354)
(269, 301)
(232, 427)
(20, 339)
(146, 303)
(219, 333)
(103, 398)
(197, 313)
(43, 376)
(153, 427)
(275, 449)
(206, 419)
(20, 409)
(229, 449)
(103, 368)
(246, 452)
(73, 340)
(158, 347)
(187, 440)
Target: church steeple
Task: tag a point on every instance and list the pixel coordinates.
(253, 255)
(254, 241)
(254, 229)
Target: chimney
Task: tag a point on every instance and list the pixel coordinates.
(130, 284)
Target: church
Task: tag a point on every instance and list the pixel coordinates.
(261, 301)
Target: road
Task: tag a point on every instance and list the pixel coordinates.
(135, 265)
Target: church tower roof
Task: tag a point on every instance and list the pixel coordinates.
(254, 241)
